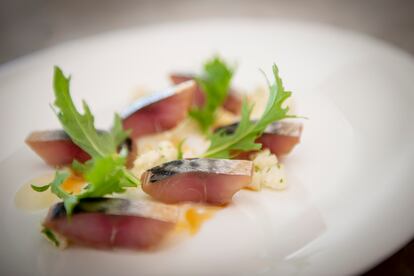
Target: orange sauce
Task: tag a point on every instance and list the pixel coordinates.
(73, 184)
(26, 198)
(194, 217)
(29, 200)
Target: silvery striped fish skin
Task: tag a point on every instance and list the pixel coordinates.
(119, 207)
(201, 165)
(55, 134)
(156, 97)
(285, 128)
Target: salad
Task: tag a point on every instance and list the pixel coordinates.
(168, 160)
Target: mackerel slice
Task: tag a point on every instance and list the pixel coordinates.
(159, 112)
(279, 137)
(55, 147)
(213, 181)
(113, 222)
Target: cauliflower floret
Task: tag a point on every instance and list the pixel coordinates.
(165, 152)
(194, 146)
(160, 148)
(224, 117)
(194, 143)
(267, 172)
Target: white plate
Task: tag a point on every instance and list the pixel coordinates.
(350, 193)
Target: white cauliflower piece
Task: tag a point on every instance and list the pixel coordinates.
(267, 172)
(164, 152)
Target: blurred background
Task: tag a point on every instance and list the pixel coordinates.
(30, 25)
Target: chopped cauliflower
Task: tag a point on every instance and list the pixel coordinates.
(164, 152)
(195, 143)
(163, 147)
(224, 117)
(267, 172)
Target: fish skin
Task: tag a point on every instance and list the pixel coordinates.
(159, 112)
(232, 103)
(280, 128)
(113, 223)
(212, 181)
(201, 165)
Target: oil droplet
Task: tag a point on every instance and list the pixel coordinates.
(29, 200)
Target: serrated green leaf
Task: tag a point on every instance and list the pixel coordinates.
(40, 188)
(105, 172)
(243, 139)
(50, 236)
(117, 131)
(180, 153)
(69, 200)
(214, 83)
(80, 127)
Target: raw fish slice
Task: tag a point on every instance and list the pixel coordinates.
(55, 147)
(113, 222)
(159, 112)
(213, 181)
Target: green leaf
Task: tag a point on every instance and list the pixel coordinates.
(50, 236)
(117, 131)
(69, 200)
(106, 176)
(243, 139)
(81, 168)
(215, 83)
(180, 153)
(105, 172)
(80, 127)
(40, 188)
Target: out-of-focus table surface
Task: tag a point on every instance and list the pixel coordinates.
(30, 25)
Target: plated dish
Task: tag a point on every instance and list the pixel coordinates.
(196, 142)
(333, 218)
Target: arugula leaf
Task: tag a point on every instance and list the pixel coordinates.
(106, 176)
(215, 83)
(117, 131)
(69, 200)
(105, 173)
(180, 153)
(243, 139)
(40, 188)
(80, 127)
(81, 168)
(50, 236)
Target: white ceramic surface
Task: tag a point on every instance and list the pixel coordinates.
(350, 194)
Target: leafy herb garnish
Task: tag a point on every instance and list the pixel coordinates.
(243, 139)
(40, 188)
(215, 83)
(105, 173)
(80, 127)
(50, 236)
(180, 152)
